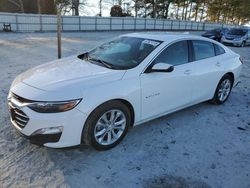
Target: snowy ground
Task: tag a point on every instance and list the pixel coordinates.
(197, 147)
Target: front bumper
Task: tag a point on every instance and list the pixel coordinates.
(71, 121)
(41, 139)
(231, 42)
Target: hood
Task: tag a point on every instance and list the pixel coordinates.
(233, 36)
(67, 74)
(208, 34)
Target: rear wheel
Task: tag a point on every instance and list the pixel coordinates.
(107, 125)
(223, 90)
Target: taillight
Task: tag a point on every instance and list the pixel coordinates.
(241, 60)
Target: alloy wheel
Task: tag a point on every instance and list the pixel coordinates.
(110, 127)
(224, 90)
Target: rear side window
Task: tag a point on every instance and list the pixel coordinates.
(218, 50)
(203, 49)
(175, 54)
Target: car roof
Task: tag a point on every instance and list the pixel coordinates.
(164, 36)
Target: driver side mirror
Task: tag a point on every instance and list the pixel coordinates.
(160, 67)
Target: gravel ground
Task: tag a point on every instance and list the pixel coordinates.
(201, 146)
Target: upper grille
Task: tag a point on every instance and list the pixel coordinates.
(18, 117)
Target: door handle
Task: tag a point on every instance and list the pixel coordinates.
(218, 64)
(187, 72)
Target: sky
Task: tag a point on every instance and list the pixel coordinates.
(92, 8)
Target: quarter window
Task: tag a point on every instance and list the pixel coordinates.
(203, 49)
(175, 54)
(218, 50)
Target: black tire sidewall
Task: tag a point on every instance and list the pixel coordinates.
(94, 117)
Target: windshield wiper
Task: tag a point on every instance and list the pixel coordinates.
(106, 64)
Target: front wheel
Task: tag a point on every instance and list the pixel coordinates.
(107, 125)
(223, 90)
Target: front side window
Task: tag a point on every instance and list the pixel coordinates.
(202, 49)
(123, 52)
(175, 54)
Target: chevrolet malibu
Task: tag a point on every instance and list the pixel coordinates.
(93, 98)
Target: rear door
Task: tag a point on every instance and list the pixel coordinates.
(208, 61)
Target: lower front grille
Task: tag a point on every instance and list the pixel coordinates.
(19, 117)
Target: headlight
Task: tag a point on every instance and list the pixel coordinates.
(53, 107)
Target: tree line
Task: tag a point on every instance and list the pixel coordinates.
(225, 11)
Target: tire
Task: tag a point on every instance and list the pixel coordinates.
(107, 125)
(223, 90)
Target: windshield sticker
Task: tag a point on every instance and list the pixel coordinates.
(151, 42)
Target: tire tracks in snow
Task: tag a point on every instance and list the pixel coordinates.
(13, 158)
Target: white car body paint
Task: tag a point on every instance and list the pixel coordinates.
(148, 93)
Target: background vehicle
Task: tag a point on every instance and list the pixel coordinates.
(215, 34)
(237, 37)
(95, 97)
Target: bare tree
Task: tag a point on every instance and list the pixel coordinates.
(190, 10)
(75, 7)
(39, 7)
(18, 3)
(100, 7)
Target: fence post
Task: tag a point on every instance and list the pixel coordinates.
(203, 27)
(110, 23)
(123, 23)
(79, 22)
(145, 23)
(179, 24)
(135, 24)
(62, 22)
(95, 23)
(172, 24)
(41, 24)
(17, 26)
(191, 25)
(163, 24)
(154, 23)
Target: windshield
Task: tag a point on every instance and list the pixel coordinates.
(240, 32)
(123, 53)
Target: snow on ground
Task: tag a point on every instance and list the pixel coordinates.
(199, 146)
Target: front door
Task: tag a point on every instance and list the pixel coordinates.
(162, 92)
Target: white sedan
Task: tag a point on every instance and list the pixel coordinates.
(93, 98)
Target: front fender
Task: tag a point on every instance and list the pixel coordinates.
(128, 90)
